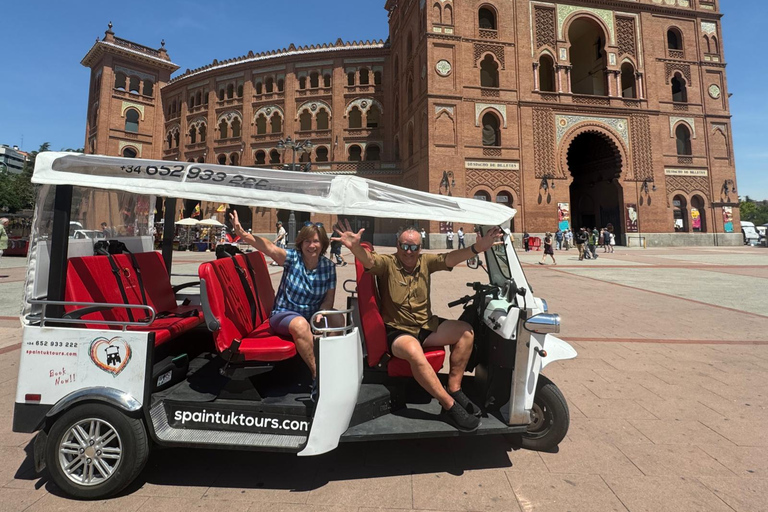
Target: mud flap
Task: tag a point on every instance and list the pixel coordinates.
(41, 441)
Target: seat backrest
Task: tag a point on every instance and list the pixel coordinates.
(261, 281)
(91, 279)
(370, 317)
(226, 300)
(157, 282)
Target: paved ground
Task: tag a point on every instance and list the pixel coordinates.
(668, 401)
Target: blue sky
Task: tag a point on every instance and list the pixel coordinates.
(43, 92)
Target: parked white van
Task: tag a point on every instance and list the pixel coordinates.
(751, 236)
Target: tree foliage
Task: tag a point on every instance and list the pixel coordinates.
(754, 211)
(16, 190)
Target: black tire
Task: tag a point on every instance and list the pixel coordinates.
(122, 459)
(551, 418)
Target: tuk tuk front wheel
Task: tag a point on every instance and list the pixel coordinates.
(94, 451)
(550, 418)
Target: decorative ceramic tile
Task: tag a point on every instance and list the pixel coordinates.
(691, 122)
(708, 27)
(618, 125)
(563, 11)
(501, 108)
(443, 67)
(714, 91)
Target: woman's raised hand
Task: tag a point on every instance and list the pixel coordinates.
(345, 234)
(236, 226)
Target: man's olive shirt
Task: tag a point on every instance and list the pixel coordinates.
(405, 303)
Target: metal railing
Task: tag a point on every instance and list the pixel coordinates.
(325, 331)
(141, 323)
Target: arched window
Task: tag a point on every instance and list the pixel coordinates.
(505, 198)
(482, 195)
(714, 48)
(234, 159)
(191, 102)
(223, 129)
(674, 39)
(588, 58)
(199, 98)
(321, 154)
(280, 85)
(230, 91)
(322, 119)
(269, 85)
(491, 132)
(486, 18)
(680, 214)
(261, 124)
(120, 81)
(176, 139)
(698, 217)
(364, 76)
(169, 140)
(222, 159)
(350, 78)
(302, 82)
(489, 72)
(274, 157)
(305, 121)
(437, 15)
(193, 135)
(239, 91)
(221, 94)
(235, 127)
(628, 84)
(679, 90)
(372, 153)
(355, 153)
(448, 15)
(410, 140)
(374, 117)
(355, 118)
(203, 128)
(205, 98)
(277, 123)
(409, 92)
(129, 153)
(304, 158)
(132, 120)
(327, 80)
(377, 78)
(546, 73)
(133, 84)
(259, 88)
(683, 140)
(314, 80)
(149, 87)
(260, 158)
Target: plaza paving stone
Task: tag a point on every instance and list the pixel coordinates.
(668, 402)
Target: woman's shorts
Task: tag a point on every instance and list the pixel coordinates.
(280, 321)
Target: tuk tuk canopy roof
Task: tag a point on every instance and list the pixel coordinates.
(287, 190)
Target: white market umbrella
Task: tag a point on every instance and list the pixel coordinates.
(188, 222)
(211, 222)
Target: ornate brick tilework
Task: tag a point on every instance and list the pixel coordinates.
(688, 184)
(691, 122)
(544, 142)
(642, 148)
(493, 180)
(483, 48)
(625, 31)
(565, 123)
(545, 27)
(671, 67)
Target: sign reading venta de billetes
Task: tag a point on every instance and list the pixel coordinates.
(492, 165)
(685, 172)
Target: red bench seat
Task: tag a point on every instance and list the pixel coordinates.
(228, 310)
(375, 331)
(91, 279)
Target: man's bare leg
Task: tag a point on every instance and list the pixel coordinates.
(408, 348)
(460, 336)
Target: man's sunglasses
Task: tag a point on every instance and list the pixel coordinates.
(412, 247)
(316, 224)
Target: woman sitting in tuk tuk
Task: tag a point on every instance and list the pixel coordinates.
(308, 286)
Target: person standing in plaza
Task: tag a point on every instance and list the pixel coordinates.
(424, 240)
(568, 239)
(612, 242)
(559, 239)
(526, 241)
(462, 245)
(581, 241)
(593, 239)
(3, 236)
(280, 239)
(548, 250)
(449, 238)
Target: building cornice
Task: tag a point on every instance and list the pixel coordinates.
(100, 48)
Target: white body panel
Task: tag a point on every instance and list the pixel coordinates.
(340, 374)
(56, 362)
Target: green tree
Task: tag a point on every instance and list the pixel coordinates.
(754, 211)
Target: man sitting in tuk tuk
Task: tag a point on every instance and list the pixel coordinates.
(308, 285)
(404, 285)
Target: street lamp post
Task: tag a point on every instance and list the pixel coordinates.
(294, 146)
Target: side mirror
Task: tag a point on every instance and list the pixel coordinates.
(473, 263)
(543, 323)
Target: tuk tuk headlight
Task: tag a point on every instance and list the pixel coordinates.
(543, 323)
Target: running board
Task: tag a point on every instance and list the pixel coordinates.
(167, 434)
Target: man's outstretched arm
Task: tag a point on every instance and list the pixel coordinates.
(491, 238)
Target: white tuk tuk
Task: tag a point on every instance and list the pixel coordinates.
(115, 359)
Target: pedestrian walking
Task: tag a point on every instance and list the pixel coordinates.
(280, 238)
(559, 239)
(462, 245)
(526, 241)
(568, 239)
(424, 239)
(581, 242)
(612, 242)
(593, 240)
(3, 236)
(336, 253)
(449, 238)
(548, 250)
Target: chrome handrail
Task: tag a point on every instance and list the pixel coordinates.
(142, 323)
(324, 331)
(344, 286)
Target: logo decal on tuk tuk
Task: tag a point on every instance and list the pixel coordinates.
(111, 355)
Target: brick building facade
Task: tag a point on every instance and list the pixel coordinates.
(587, 113)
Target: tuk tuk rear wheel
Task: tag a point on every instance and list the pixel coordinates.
(550, 418)
(93, 451)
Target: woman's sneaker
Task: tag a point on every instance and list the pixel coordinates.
(464, 401)
(460, 418)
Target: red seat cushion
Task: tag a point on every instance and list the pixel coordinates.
(375, 330)
(91, 279)
(264, 345)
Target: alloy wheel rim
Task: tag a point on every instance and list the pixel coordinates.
(90, 452)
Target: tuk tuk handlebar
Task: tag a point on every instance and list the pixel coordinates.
(324, 331)
(97, 305)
